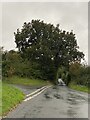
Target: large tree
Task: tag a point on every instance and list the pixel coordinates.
(47, 45)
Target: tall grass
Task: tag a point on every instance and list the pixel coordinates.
(79, 87)
(25, 81)
(10, 97)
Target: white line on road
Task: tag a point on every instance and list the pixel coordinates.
(36, 94)
(35, 91)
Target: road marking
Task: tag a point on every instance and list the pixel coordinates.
(36, 94)
(35, 91)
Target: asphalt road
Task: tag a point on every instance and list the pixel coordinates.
(54, 102)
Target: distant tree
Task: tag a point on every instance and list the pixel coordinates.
(47, 45)
(74, 69)
(14, 64)
(9, 62)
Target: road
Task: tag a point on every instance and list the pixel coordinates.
(54, 102)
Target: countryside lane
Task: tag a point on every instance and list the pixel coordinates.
(54, 102)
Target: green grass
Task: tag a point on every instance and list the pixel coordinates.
(10, 97)
(26, 81)
(79, 88)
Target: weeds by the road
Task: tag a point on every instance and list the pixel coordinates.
(79, 88)
(10, 97)
(26, 81)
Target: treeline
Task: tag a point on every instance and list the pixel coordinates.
(14, 65)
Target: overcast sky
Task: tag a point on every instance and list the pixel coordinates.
(70, 16)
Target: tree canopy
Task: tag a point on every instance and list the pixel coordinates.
(48, 46)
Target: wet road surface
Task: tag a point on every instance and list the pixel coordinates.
(54, 102)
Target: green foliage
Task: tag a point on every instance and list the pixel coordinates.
(48, 46)
(14, 64)
(64, 74)
(9, 99)
(80, 74)
(79, 88)
(60, 72)
(42, 49)
(11, 61)
(25, 81)
(75, 69)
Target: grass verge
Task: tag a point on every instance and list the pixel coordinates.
(26, 81)
(79, 88)
(10, 98)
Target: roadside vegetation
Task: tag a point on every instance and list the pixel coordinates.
(80, 77)
(11, 96)
(77, 77)
(81, 88)
(25, 81)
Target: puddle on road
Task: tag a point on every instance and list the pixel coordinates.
(54, 93)
(58, 96)
(74, 99)
(54, 87)
(75, 103)
(76, 96)
(47, 96)
(52, 96)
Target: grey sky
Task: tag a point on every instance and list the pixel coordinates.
(70, 16)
